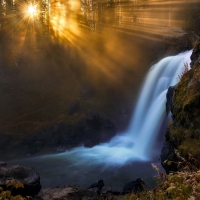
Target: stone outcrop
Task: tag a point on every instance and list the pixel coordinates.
(27, 176)
(183, 100)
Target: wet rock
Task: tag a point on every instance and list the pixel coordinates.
(99, 185)
(170, 93)
(27, 176)
(134, 186)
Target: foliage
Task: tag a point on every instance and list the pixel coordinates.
(182, 185)
(7, 194)
(184, 132)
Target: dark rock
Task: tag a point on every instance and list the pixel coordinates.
(134, 186)
(195, 57)
(99, 185)
(99, 130)
(170, 93)
(89, 132)
(94, 121)
(68, 192)
(169, 153)
(87, 92)
(27, 176)
(74, 107)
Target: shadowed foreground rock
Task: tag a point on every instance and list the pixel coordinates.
(74, 192)
(134, 186)
(25, 175)
(68, 192)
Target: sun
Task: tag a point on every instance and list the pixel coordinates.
(32, 10)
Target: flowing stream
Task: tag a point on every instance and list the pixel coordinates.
(128, 155)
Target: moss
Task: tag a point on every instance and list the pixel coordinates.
(190, 146)
(184, 132)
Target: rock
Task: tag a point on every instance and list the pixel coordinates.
(68, 192)
(89, 132)
(195, 57)
(99, 185)
(170, 93)
(77, 192)
(74, 107)
(183, 102)
(134, 186)
(98, 130)
(168, 154)
(94, 121)
(27, 176)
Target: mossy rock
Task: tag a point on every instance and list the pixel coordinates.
(185, 130)
(190, 146)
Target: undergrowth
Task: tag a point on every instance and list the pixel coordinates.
(6, 194)
(183, 185)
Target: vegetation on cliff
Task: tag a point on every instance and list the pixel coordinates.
(177, 186)
(185, 129)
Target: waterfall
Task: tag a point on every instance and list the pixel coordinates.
(137, 144)
(150, 109)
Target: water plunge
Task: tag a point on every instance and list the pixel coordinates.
(126, 155)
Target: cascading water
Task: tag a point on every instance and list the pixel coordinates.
(137, 144)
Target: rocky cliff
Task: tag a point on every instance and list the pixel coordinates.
(183, 136)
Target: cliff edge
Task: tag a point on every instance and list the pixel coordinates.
(182, 138)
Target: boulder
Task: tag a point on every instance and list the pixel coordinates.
(168, 154)
(134, 186)
(68, 192)
(27, 176)
(99, 185)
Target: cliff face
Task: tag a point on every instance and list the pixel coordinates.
(184, 131)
